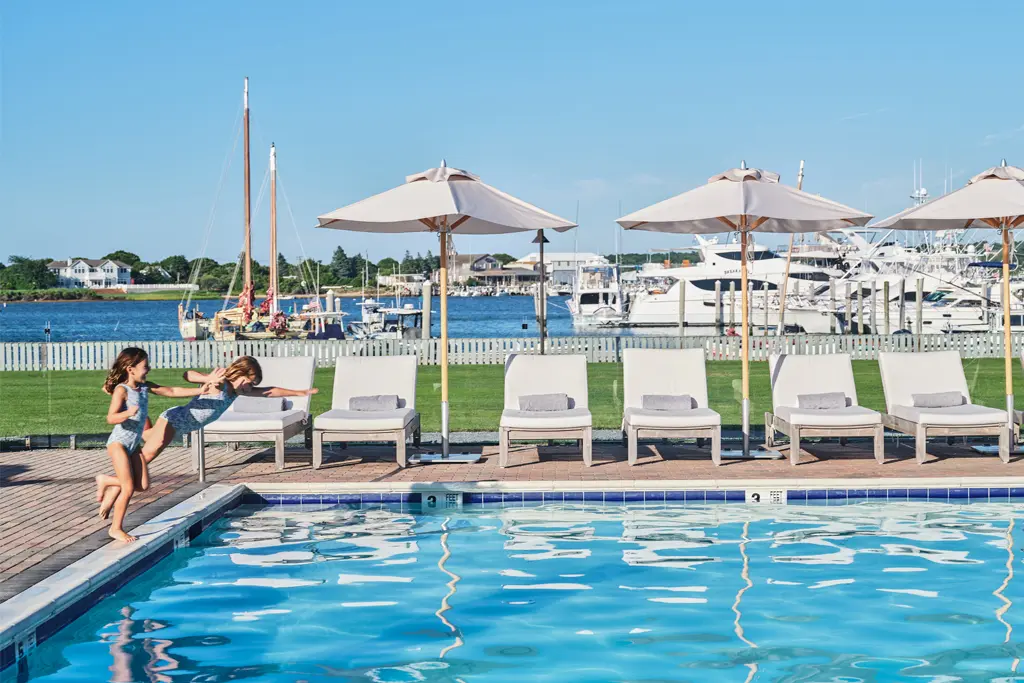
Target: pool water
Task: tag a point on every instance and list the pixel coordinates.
(866, 592)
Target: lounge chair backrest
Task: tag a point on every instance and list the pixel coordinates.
(295, 372)
(375, 376)
(559, 374)
(928, 372)
(663, 371)
(796, 375)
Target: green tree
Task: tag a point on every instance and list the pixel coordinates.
(504, 259)
(26, 273)
(125, 257)
(431, 262)
(387, 266)
(177, 267)
(341, 264)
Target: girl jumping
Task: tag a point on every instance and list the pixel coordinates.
(241, 378)
(129, 404)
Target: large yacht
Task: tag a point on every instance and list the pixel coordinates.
(598, 296)
(657, 303)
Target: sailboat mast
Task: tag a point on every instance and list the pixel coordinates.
(247, 285)
(273, 230)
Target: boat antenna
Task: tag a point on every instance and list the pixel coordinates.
(247, 270)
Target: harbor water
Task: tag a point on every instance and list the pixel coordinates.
(480, 317)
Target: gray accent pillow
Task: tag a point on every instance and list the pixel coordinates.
(940, 399)
(373, 403)
(832, 399)
(666, 402)
(258, 404)
(544, 403)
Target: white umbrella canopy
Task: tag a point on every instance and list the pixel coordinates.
(448, 196)
(721, 204)
(443, 200)
(744, 199)
(991, 199)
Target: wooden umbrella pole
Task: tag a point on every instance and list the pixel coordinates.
(1007, 336)
(444, 336)
(745, 338)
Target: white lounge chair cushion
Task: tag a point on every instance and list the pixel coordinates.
(849, 416)
(339, 420)
(555, 419)
(967, 415)
(240, 423)
(672, 419)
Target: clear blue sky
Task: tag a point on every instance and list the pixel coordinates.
(117, 116)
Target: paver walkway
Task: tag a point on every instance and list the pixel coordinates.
(48, 511)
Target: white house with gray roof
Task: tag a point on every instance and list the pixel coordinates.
(91, 273)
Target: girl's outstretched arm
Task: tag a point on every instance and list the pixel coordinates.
(174, 392)
(195, 377)
(276, 392)
(115, 414)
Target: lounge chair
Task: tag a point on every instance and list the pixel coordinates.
(239, 424)
(912, 381)
(654, 373)
(805, 391)
(529, 380)
(363, 376)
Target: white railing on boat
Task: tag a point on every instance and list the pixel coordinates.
(98, 355)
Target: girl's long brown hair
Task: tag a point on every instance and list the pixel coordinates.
(245, 366)
(128, 358)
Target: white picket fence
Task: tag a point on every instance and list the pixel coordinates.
(205, 354)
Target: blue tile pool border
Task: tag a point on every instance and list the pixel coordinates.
(618, 497)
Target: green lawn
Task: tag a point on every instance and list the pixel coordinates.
(72, 402)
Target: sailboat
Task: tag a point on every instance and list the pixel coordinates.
(267, 321)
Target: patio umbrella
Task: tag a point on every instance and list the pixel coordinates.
(443, 200)
(744, 199)
(991, 199)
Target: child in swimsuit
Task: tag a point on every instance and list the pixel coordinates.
(240, 379)
(129, 405)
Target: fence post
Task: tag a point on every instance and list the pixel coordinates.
(732, 303)
(832, 299)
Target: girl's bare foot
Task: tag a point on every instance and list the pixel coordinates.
(99, 488)
(105, 509)
(119, 535)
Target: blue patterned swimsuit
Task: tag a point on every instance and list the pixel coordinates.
(199, 412)
(129, 432)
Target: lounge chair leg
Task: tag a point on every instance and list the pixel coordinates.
(1004, 445)
(417, 435)
(631, 436)
(307, 436)
(794, 446)
(842, 441)
(921, 445)
(279, 450)
(588, 454)
(625, 438)
(880, 445)
(716, 446)
(503, 447)
(318, 449)
(769, 431)
(195, 453)
(400, 448)
(232, 445)
(701, 443)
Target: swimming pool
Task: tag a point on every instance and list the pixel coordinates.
(862, 592)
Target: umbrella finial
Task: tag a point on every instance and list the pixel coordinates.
(443, 164)
(1003, 163)
(743, 164)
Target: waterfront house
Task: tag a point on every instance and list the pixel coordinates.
(91, 273)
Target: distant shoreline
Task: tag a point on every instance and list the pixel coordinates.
(48, 297)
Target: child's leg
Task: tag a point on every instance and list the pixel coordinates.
(103, 482)
(140, 471)
(157, 439)
(125, 480)
(109, 496)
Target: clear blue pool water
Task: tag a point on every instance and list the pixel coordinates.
(868, 592)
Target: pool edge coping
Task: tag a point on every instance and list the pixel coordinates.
(106, 569)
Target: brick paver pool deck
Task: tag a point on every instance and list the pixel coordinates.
(48, 511)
